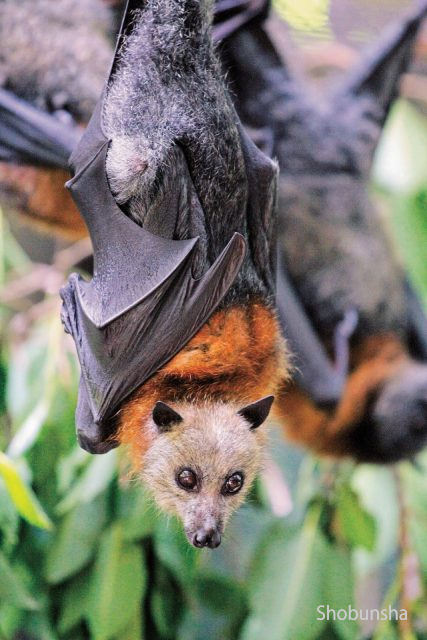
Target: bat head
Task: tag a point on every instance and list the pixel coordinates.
(202, 462)
(396, 427)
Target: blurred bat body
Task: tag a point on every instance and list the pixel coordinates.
(176, 333)
(355, 326)
(53, 60)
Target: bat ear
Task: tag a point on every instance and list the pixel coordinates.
(164, 416)
(378, 75)
(257, 412)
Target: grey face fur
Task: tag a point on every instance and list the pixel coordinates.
(200, 467)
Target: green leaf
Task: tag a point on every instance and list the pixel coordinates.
(9, 520)
(376, 489)
(134, 630)
(24, 499)
(401, 157)
(136, 512)
(409, 225)
(73, 600)
(203, 624)
(226, 598)
(339, 590)
(220, 594)
(414, 485)
(10, 620)
(76, 541)
(12, 591)
(166, 602)
(69, 468)
(357, 526)
(30, 429)
(24, 383)
(96, 477)
(173, 549)
(38, 625)
(286, 584)
(117, 585)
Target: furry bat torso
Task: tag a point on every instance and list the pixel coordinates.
(340, 248)
(330, 231)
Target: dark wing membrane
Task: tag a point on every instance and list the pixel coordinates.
(314, 371)
(261, 82)
(417, 323)
(33, 137)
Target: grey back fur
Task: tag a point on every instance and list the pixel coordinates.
(55, 53)
(167, 112)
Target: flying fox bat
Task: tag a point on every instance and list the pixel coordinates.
(176, 333)
(351, 318)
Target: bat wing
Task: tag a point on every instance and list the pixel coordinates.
(262, 196)
(143, 303)
(378, 75)
(417, 323)
(314, 371)
(31, 136)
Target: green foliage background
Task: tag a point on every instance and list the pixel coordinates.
(84, 554)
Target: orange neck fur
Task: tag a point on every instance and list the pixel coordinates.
(238, 356)
(324, 431)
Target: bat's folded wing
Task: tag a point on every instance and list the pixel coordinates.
(314, 370)
(34, 137)
(417, 323)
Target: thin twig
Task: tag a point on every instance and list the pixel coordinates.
(409, 570)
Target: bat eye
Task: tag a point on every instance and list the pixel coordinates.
(187, 479)
(233, 484)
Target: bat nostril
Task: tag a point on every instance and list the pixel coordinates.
(215, 540)
(207, 538)
(199, 539)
